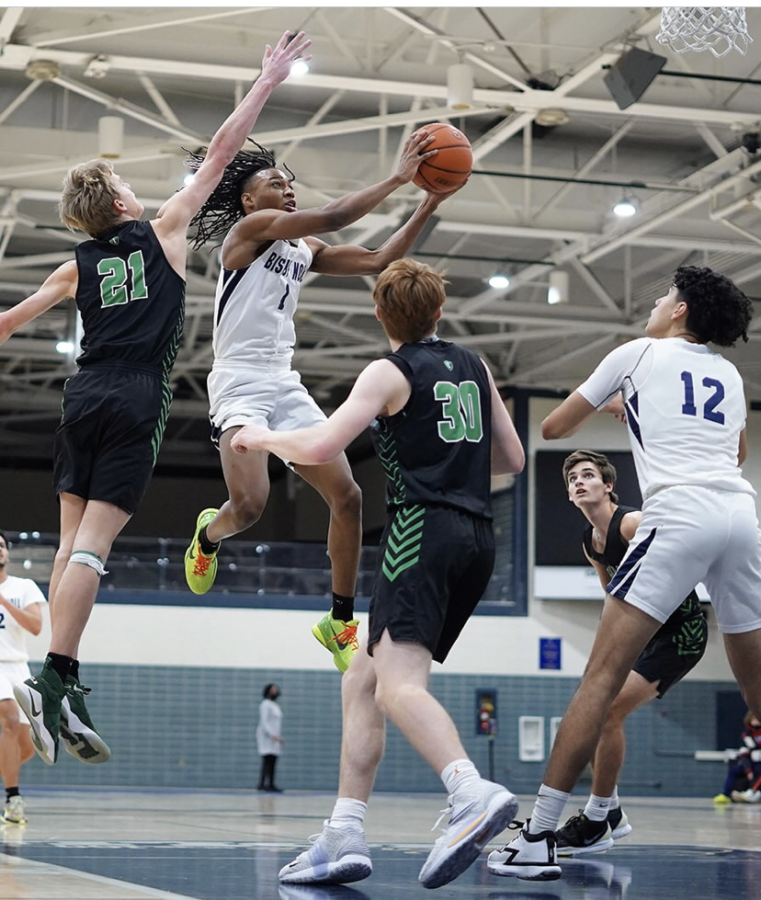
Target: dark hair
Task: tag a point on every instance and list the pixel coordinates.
(717, 310)
(2, 535)
(606, 467)
(267, 689)
(223, 208)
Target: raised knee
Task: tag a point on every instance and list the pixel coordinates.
(348, 502)
(246, 510)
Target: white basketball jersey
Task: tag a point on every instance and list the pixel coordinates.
(254, 307)
(685, 408)
(21, 592)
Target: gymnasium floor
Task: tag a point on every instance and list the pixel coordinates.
(119, 845)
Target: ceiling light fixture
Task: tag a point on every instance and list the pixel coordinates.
(110, 136)
(299, 67)
(558, 289)
(626, 207)
(460, 86)
(64, 346)
(499, 281)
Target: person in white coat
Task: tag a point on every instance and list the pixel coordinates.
(268, 740)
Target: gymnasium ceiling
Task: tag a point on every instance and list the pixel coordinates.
(543, 125)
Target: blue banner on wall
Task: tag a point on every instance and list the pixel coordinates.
(549, 653)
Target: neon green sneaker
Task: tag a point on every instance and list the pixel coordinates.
(721, 799)
(339, 637)
(200, 570)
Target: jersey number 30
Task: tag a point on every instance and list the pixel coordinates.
(462, 411)
(114, 289)
(709, 407)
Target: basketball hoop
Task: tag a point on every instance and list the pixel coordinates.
(715, 28)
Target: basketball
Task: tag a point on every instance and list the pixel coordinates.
(451, 166)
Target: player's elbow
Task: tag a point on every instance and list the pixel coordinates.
(322, 451)
(551, 429)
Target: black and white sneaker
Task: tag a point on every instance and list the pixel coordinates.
(619, 824)
(582, 835)
(530, 857)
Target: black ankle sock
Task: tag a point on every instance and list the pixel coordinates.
(207, 547)
(11, 792)
(343, 607)
(60, 664)
(74, 670)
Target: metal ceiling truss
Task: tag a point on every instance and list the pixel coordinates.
(617, 269)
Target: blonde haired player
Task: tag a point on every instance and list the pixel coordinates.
(129, 284)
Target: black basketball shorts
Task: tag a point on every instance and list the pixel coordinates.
(110, 433)
(672, 652)
(433, 567)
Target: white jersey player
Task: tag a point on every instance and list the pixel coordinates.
(21, 603)
(268, 249)
(685, 408)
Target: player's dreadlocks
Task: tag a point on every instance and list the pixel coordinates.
(223, 208)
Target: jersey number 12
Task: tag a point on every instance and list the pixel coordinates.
(709, 407)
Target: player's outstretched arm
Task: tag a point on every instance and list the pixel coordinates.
(58, 286)
(507, 454)
(277, 224)
(380, 387)
(350, 259)
(176, 213)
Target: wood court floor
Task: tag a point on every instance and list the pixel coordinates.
(125, 845)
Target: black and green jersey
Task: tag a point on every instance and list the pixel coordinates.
(131, 300)
(437, 450)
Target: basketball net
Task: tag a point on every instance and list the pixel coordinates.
(715, 28)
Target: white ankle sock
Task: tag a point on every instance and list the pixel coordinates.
(348, 813)
(460, 775)
(548, 809)
(614, 802)
(597, 808)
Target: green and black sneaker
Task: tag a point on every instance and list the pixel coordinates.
(40, 697)
(80, 738)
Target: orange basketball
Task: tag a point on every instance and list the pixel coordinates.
(451, 166)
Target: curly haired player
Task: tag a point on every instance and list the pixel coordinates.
(268, 249)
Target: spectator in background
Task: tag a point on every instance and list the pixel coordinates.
(21, 603)
(747, 764)
(268, 740)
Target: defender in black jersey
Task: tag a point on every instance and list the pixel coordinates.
(129, 285)
(675, 649)
(440, 430)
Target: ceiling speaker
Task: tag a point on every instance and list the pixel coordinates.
(631, 76)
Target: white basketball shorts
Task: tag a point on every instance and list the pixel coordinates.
(12, 673)
(690, 534)
(260, 394)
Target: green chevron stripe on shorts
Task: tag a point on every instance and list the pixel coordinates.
(691, 638)
(404, 541)
(158, 434)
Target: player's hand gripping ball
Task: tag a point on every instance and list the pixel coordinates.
(451, 166)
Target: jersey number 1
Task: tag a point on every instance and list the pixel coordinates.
(462, 411)
(114, 290)
(709, 407)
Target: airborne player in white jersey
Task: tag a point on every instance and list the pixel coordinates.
(685, 407)
(268, 249)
